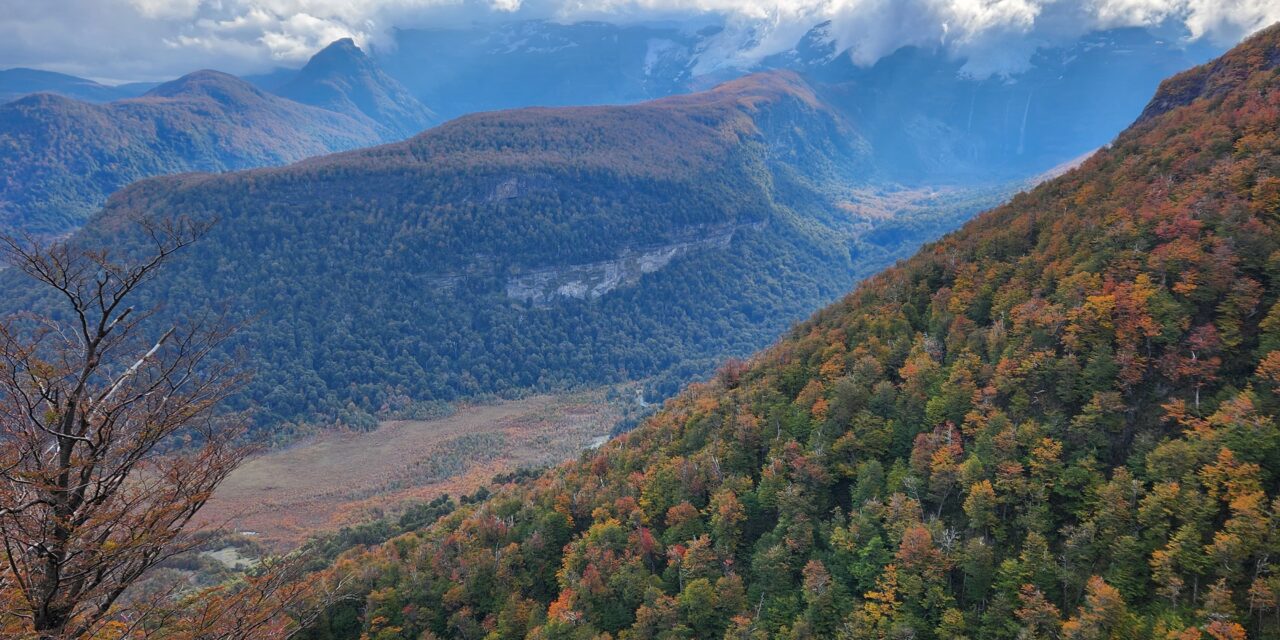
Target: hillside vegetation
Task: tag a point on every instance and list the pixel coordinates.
(1058, 422)
(532, 249)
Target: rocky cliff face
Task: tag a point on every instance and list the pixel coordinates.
(592, 280)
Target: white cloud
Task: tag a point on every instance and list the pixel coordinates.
(136, 39)
(167, 9)
(1229, 20)
(1110, 13)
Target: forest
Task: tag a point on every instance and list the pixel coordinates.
(1057, 422)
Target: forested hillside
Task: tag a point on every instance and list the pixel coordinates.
(1058, 422)
(532, 249)
(60, 158)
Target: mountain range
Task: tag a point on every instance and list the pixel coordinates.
(1067, 102)
(18, 82)
(931, 120)
(1056, 422)
(60, 157)
(1011, 123)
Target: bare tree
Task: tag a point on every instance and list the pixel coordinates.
(109, 442)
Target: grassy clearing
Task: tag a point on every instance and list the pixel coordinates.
(337, 479)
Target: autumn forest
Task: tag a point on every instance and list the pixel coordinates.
(557, 373)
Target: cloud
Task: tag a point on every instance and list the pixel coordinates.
(154, 39)
(1230, 20)
(167, 9)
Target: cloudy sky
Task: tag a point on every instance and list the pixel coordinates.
(117, 40)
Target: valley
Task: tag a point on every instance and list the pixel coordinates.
(830, 321)
(1056, 422)
(534, 250)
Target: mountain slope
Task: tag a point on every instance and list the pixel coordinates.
(60, 158)
(1058, 422)
(342, 78)
(534, 249)
(538, 63)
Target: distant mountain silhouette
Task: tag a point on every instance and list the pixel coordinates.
(18, 82)
(342, 78)
(60, 157)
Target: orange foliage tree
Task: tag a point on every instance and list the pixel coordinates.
(110, 439)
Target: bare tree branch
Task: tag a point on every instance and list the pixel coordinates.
(109, 439)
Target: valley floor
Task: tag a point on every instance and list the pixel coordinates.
(335, 479)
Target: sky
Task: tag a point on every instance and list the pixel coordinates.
(124, 40)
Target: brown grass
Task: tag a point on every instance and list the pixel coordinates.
(871, 204)
(341, 478)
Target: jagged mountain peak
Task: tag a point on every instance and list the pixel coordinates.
(343, 78)
(347, 45)
(342, 54)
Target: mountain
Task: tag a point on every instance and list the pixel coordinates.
(271, 80)
(342, 78)
(539, 63)
(18, 82)
(60, 158)
(1057, 422)
(964, 124)
(535, 249)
